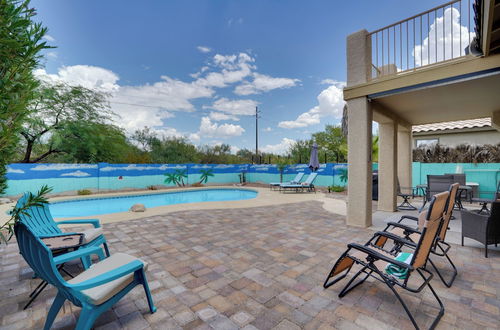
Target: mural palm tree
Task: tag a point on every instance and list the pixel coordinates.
(205, 174)
(181, 174)
(171, 178)
(343, 174)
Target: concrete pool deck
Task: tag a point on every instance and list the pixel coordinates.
(265, 197)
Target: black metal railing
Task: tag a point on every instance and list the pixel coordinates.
(437, 35)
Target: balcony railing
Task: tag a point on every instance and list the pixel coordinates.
(434, 36)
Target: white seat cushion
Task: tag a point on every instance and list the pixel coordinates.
(103, 293)
(91, 234)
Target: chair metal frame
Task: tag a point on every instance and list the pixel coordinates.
(370, 269)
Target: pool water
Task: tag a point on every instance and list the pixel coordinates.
(105, 205)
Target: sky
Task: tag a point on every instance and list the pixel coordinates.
(199, 68)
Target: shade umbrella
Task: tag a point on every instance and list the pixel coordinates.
(314, 161)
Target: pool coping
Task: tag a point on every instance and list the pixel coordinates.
(265, 197)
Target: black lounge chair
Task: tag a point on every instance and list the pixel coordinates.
(375, 260)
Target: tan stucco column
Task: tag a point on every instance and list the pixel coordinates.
(387, 166)
(359, 140)
(405, 156)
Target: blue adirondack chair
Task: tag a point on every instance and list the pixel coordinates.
(42, 224)
(95, 290)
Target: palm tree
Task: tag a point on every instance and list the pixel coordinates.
(343, 174)
(205, 174)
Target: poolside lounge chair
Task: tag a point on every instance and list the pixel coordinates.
(307, 184)
(391, 268)
(296, 180)
(435, 185)
(440, 247)
(95, 290)
(42, 224)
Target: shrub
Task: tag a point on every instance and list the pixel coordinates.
(336, 189)
(84, 192)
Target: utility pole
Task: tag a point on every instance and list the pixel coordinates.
(257, 132)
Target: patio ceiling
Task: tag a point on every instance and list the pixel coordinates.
(465, 97)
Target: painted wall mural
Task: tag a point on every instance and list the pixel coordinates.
(105, 177)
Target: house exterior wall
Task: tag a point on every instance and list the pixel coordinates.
(454, 139)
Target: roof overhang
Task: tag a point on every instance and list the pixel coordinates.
(463, 89)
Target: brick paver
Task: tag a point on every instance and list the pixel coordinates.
(259, 268)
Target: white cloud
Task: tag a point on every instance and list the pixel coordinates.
(204, 49)
(268, 129)
(234, 107)
(280, 148)
(52, 55)
(48, 37)
(233, 68)
(214, 130)
(437, 47)
(83, 75)
(218, 116)
(264, 83)
(77, 174)
(61, 167)
(14, 170)
(330, 104)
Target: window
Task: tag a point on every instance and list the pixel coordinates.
(422, 142)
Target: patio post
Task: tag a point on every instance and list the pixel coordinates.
(359, 140)
(388, 165)
(405, 156)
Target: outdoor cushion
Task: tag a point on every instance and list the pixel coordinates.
(91, 234)
(102, 293)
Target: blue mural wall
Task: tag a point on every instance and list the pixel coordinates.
(104, 176)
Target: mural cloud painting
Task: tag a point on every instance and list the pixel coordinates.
(77, 174)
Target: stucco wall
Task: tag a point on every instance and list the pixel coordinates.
(454, 139)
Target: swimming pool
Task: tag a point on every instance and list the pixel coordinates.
(105, 205)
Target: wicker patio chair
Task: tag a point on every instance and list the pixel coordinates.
(374, 261)
(482, 228)
(485, 201)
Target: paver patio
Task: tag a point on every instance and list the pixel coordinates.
(255, 268)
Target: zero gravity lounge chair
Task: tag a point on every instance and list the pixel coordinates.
(297, 180)
(440, 247)
(391, 268)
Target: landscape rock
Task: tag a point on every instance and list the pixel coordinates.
(138, 208)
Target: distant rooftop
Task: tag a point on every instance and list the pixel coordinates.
(450, 125)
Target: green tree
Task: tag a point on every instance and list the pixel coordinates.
(205, 174)
(332, 142)
(181, 175)
(84, 142)
(300, 151)
(177, 150)
(20, 47)
(61, 107)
